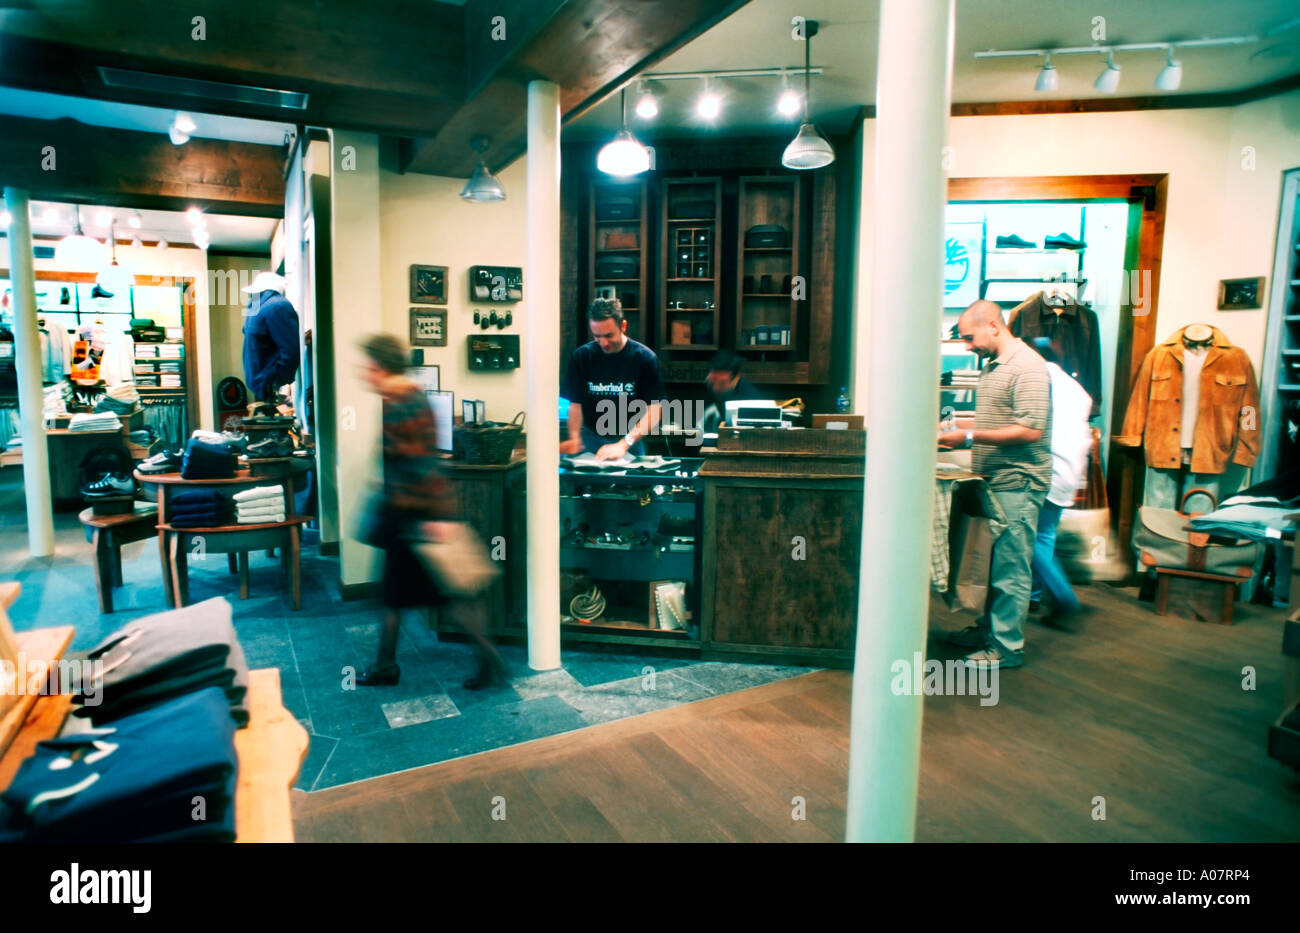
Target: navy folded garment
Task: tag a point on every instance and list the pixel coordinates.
(196, 520)
(208, 461)
(197, 497)
(135, 779)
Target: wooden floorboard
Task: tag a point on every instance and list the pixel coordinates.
(1147, 712)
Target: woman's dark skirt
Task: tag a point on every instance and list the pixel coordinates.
(407, 584)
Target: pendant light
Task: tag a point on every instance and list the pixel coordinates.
(78, 251)
(115, 278)
(809, 149)
(482, 185)
(623, 155)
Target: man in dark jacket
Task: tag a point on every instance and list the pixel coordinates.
(270, 336)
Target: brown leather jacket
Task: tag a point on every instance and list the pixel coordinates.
(1227, 424)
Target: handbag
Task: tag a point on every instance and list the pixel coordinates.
(370, 528)
(460, 565)
(1163, 539)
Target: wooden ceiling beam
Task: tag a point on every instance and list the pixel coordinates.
(63, 160)
(587, 47)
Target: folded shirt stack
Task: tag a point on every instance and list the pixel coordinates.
(55, 404)
(205, 460)
(101, 421)
(260, 505)
(136, 781)
(165, 655)
(198, 508)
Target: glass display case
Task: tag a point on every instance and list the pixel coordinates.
(629, 551)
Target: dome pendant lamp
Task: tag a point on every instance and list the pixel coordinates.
(78, 251)
(482, 185)
(809, 149)
(623, 155)
(115, 278)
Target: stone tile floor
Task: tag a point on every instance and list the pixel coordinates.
(361, 732)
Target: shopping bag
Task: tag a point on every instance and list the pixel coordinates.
(460, 565)
(1087, 548)
(972, 539)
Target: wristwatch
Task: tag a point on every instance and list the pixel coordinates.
(970, 439)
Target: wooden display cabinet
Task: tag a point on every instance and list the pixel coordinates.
(618, 239)
(765, 301)
(690, 272)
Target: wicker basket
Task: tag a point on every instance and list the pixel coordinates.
(488, 442)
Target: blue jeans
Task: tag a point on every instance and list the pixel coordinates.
(1010, 572)
(1048, 573)
(592, 442)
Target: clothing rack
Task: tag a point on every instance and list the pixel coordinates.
(165, 414)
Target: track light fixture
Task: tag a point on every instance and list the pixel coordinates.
(1171, 76)
(1048, 79)
(1108, 80)
(647, 104)
(788, 104)
(710, 104)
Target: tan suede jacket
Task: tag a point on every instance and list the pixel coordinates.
(1227, 425)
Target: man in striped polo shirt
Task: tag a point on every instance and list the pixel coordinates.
(1010, 442)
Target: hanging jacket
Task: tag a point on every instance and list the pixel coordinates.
(1227, 420)
(270, 343)
(1074, 334)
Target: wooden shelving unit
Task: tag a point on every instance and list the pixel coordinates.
(762, 273)
(603, 239)
(1280, 382)
(690, 298)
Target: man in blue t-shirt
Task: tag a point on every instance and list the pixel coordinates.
(615, 386)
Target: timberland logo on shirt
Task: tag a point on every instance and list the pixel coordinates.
(106, 886)
(610, 388)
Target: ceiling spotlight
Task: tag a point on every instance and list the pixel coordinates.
(134, 220)
(1171, 76)
(5, 217)
(809, 149)
(103, 218)
(177, 137)
(710, 104)
(184, 122)
(788, 104)
(482, 186)
(162, 243)
(193, 215)
(1108, 80)
(623, 155)
(647, 105)
(1048, 80)
(49, 216)
(137, 242)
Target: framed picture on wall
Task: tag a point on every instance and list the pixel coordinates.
(428, 327)
(429, 285)
(963, 263)
(1241, 294)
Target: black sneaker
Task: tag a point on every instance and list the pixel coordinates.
(279, 446)
(1014, 242)
(1063, 241)
(110, 484)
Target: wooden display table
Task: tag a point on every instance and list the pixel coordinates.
(41, 648)
(109, 533)
(223, 539)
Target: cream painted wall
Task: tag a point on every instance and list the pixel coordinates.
(423, 221)
(1222, 212)
(179, 262)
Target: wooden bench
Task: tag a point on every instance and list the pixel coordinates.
(239, 540)
(108, 534)
(1225, 585)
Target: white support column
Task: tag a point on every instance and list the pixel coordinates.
(913, 88)
(31, 401)
(542, 368)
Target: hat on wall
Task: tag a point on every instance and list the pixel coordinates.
(264, 282)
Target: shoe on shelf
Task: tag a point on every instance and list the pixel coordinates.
(1063, 241)
(166, 461)
(972, 636)
(279, 446)
(381, 675)
(110, 484)
(1015, 242)
(990, 659)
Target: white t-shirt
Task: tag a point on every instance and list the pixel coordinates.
(1071, 436)
(1193, 362)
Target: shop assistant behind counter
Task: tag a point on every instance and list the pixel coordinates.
(605, 377)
